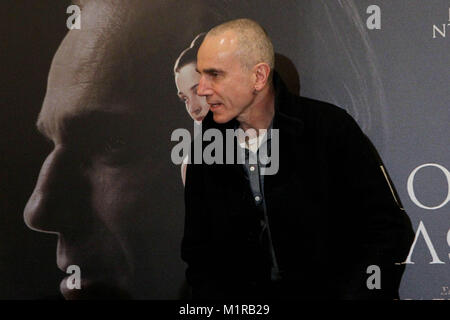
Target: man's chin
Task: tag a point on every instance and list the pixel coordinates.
(94, 290)
(220, 118)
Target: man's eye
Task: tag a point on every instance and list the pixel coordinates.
(117, 150)
(213, 74)
(114, 144)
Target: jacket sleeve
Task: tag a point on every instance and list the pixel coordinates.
(378, 229)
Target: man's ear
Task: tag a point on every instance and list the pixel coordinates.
(262, 72)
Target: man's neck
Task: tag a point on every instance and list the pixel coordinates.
(260, 114)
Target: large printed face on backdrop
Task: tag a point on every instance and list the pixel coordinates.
(227, 85)
(102, 189)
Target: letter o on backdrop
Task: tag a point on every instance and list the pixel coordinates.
(410, 186)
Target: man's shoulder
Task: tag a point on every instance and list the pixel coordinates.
(316, 113)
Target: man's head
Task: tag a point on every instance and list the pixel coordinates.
(186, 80)
(235, 62)
(107, 188)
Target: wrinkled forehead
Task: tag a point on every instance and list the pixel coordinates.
(120, 61)
(89, 63)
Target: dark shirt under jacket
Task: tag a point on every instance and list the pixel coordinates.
(330, 209)
(255, 177)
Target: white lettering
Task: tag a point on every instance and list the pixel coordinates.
(421, 229)
(74, 281)
(214, 147)
(441, 32)
(183, 146)
(374, 20)
(196, 310)
(214, 153)
(410, 186)
(74, 21)
(227, 310)
(374, 281)
(198, 131)
(274, 158)
(448, 241)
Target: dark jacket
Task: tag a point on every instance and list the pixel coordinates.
(331, 211)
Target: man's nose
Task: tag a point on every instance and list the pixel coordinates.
(204, 87)
(50, 207)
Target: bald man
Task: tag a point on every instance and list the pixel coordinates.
(312, 229)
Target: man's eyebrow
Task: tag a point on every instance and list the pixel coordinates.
(94, 121)
(194, 86)
(211, 71)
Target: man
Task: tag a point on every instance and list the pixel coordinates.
(107, 187)
(311, 230)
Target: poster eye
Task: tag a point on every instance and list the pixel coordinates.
(115, 144)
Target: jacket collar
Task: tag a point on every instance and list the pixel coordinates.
(285, 105)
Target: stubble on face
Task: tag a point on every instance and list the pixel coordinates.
(229, 82)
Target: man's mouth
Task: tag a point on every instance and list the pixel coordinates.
(90, 282)
(92, 289)
(214, 106)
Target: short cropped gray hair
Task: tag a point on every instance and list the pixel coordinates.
(254, 43)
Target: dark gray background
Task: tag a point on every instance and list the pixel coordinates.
(406, 112)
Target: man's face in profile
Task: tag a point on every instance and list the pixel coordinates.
(227, 85)
(96, 189)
